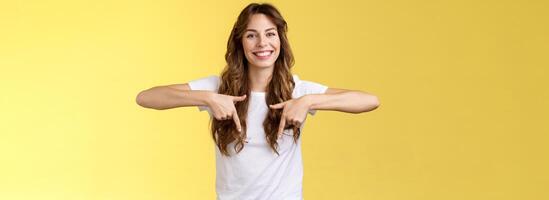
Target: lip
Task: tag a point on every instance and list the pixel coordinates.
(263, 57)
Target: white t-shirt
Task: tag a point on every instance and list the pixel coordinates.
(257, 172)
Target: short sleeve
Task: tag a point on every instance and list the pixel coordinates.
(304, 87)
(209, 83)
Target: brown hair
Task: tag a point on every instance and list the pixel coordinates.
(235, 82)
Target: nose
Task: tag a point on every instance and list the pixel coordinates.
(262, 41)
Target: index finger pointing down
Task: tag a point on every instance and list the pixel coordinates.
(237, 122)
(281, 126)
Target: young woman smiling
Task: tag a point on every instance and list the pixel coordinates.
(258, 108)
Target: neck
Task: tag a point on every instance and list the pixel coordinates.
(259, 78)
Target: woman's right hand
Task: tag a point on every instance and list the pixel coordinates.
(223, 107)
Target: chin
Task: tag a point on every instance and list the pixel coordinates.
(263, 64)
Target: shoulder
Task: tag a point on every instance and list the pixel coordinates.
(210, 82)
(296, 79)
(303, 87)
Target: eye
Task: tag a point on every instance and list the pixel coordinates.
(271, 34)
(250, 36)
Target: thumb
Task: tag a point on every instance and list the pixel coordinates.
(278, 105)
(240, 98)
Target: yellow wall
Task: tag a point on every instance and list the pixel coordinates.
(462, 84)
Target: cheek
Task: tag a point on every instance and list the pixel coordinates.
(248, 43)
(276, 44)
(246, 46)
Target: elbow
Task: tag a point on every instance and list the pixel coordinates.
(144, 100)
(372, 103)
(375, 102)
(140, 99)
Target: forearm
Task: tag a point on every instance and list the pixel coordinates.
(162, 97)
(350, 101)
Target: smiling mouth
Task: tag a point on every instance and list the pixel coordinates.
(263, 54)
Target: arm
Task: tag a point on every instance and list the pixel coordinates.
(172, 96)
(351, 101)
(295, 110)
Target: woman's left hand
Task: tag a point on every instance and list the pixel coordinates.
(294, 112)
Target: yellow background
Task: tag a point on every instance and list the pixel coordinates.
(462, 84)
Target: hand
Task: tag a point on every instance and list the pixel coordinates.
(223, 107)
(294, 112)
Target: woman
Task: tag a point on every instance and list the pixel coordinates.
(258, 148)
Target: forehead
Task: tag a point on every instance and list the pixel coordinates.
(260, 22)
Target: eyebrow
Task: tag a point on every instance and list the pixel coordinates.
(253, 30)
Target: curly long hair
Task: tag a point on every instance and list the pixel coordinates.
(235, 82)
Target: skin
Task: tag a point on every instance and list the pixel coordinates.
(261, 35)
(350, 101)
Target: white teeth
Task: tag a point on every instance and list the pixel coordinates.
(264, 53)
